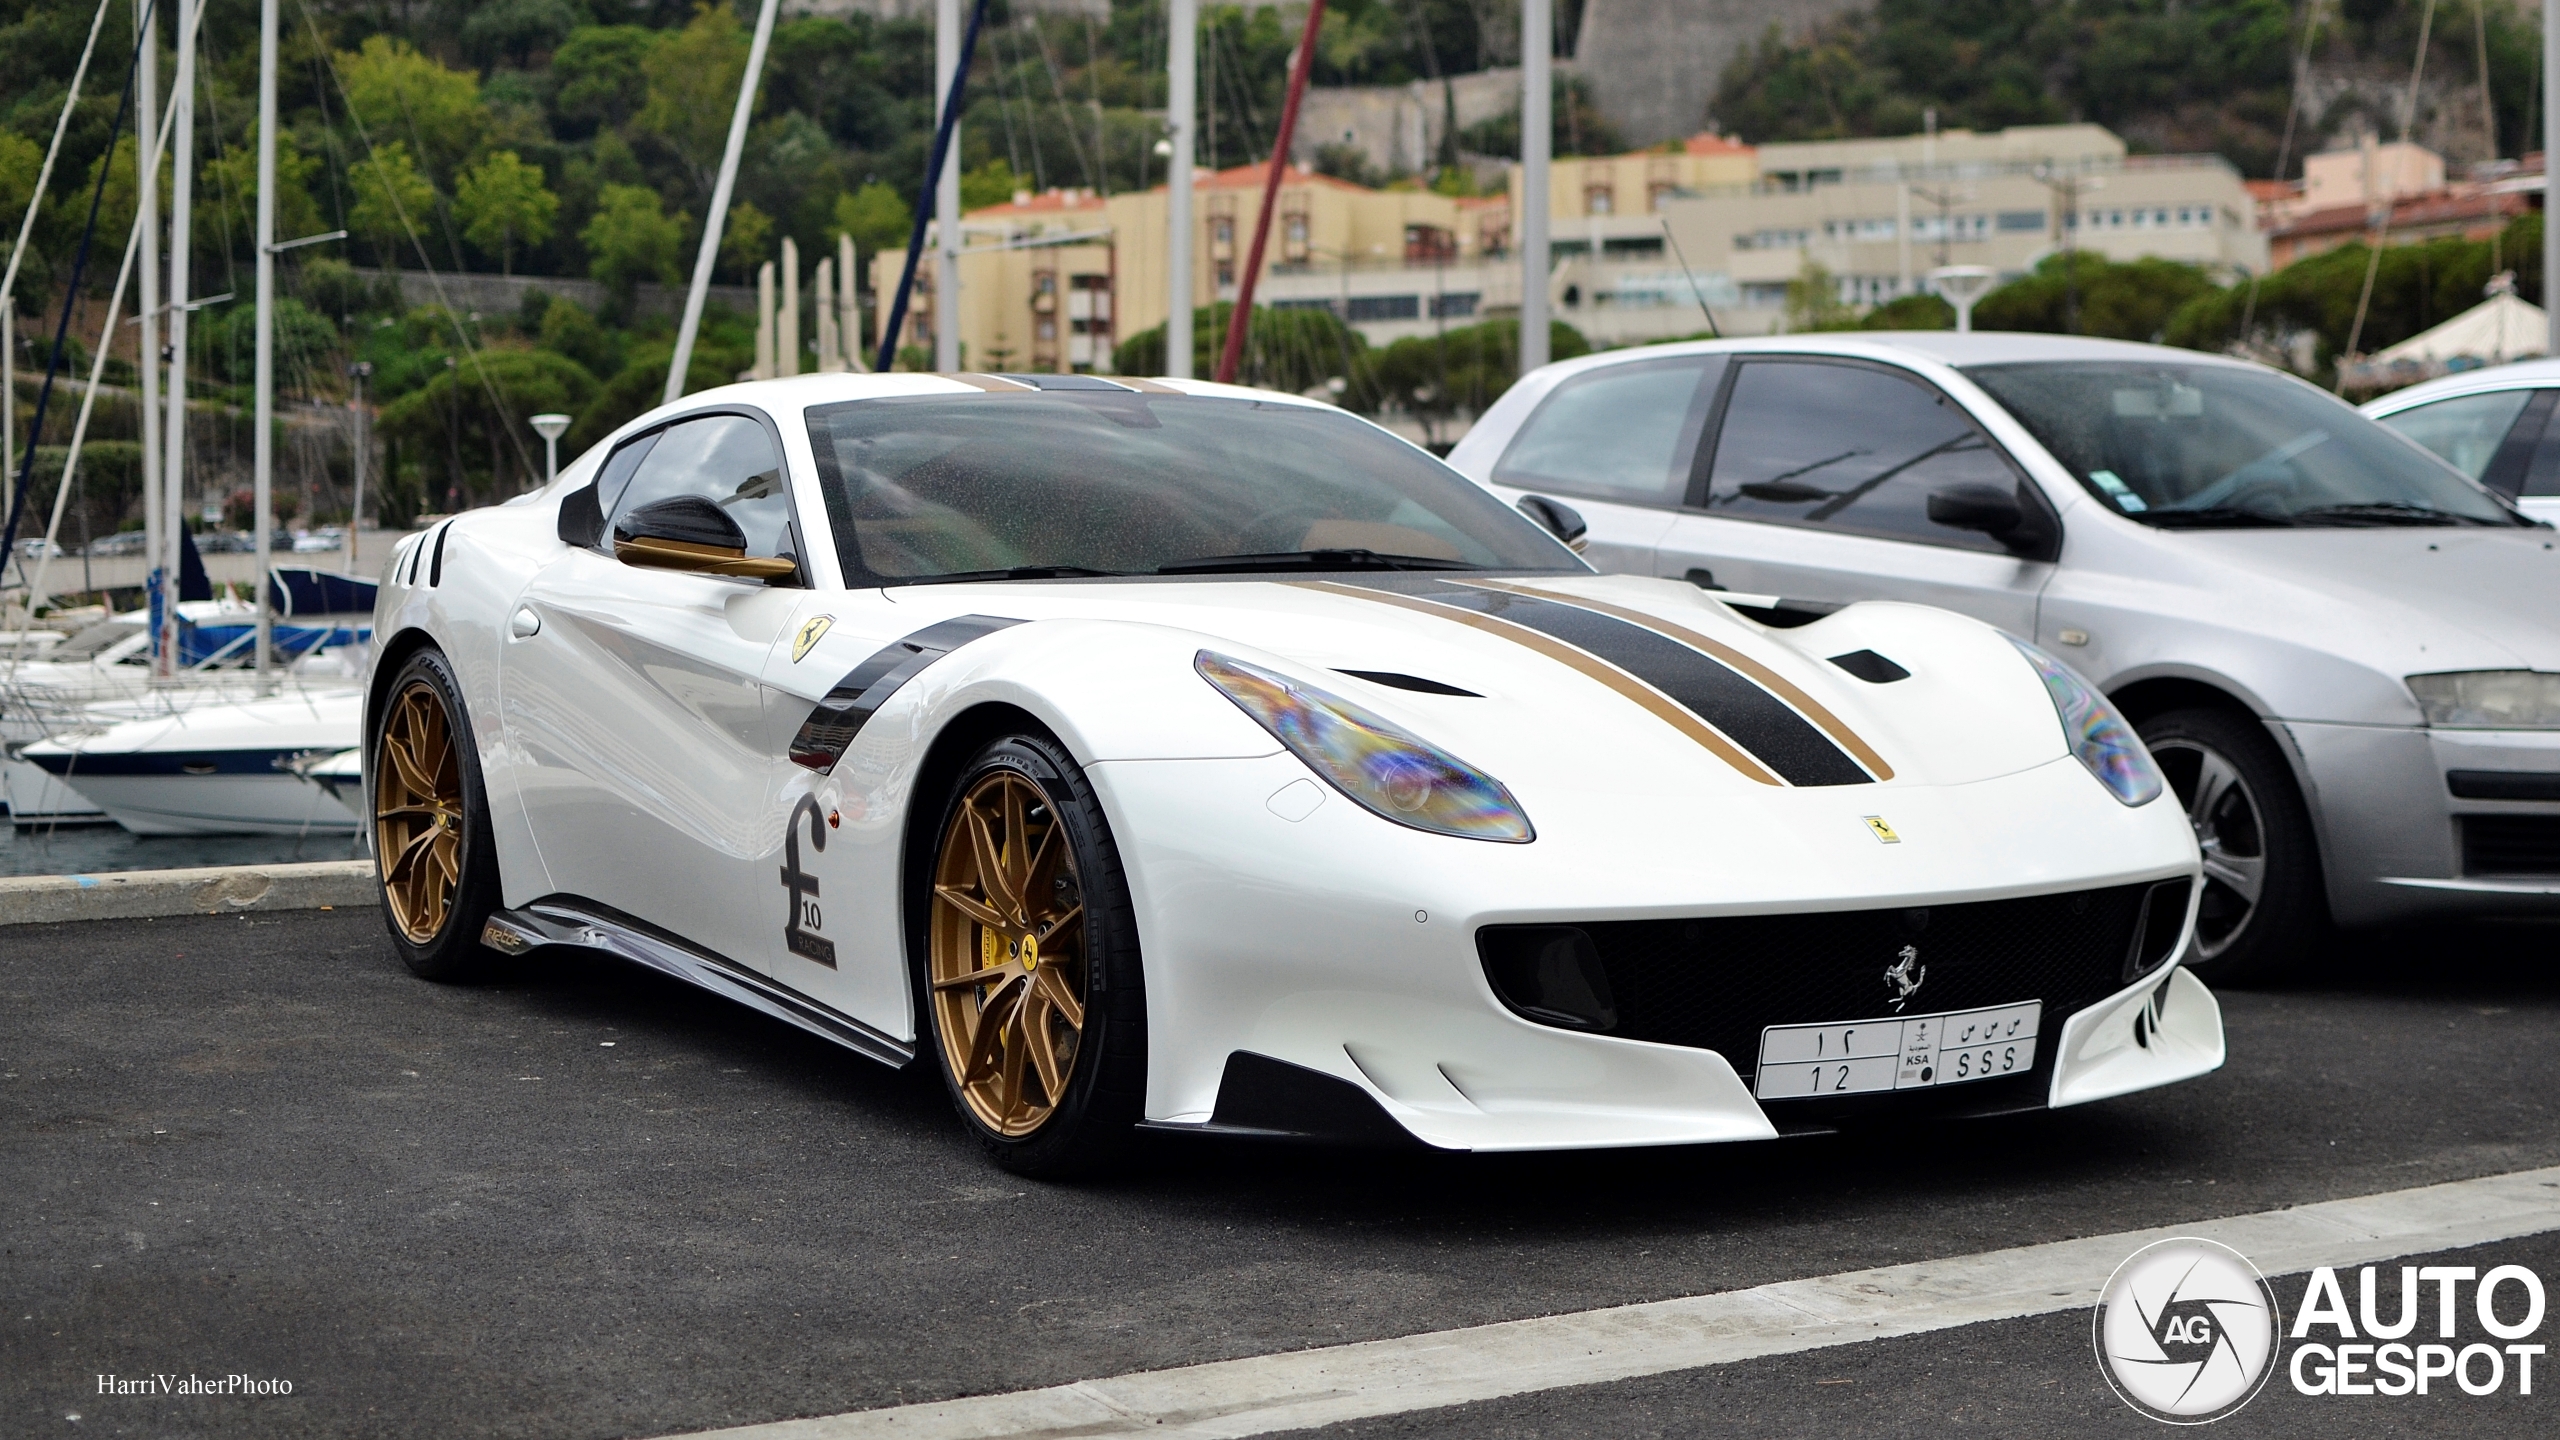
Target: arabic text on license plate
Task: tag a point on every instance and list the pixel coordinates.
(1900, 1052)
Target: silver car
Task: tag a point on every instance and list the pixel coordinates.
(2493, 425)
(2342, 650)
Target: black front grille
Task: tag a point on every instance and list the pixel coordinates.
(1714, 984)
(2511, 844)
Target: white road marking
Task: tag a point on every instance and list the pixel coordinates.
(1303, 1388)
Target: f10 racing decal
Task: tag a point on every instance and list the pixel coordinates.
(849, 706)
(799, 931)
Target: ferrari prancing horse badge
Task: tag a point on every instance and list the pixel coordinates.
(808, 636)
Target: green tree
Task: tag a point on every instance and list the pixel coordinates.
(393, 201)
(231, 180)
(2082, 293)
(1438, 378)
(744, 239)
(876, 216)
(631, 239)
(503, 200)
(993, 183)
(693, 86)
(1814, 303)
(1912, 312)
(20, 159)
(402, 95)
(570, 330)
(486, 398)
(600, 77)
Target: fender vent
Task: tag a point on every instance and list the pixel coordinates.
(1397, 679)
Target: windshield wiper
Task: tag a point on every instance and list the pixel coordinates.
(2387, 512)
(1311, 560)
(1019, 572)
(2214, 517)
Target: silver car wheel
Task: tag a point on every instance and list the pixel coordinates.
(2230, 830)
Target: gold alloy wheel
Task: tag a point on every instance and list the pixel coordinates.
(417, 812)
(1006, 960)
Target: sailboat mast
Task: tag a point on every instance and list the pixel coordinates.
(146, 159)
(263, 447)
(182, 199)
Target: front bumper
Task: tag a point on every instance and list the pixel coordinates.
(1347, 947)
(2397, 843)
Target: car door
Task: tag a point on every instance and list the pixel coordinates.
(634, 695)
(1615, 443)
(2502, 438)
(1814, 484)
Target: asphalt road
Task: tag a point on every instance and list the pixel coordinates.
(587, 1202)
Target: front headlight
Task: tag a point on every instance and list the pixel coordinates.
(1390, 773)
(2489, 699)
(2098, 735)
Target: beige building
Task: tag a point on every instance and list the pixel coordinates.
(1053, 281)
(1880, 214)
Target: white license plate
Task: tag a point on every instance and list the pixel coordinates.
(1900, 1052)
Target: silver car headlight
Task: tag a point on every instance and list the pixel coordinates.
(2098, 735)
(2489, 699)
(1386, 771)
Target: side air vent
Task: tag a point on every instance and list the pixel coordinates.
(1871, 667)
(2164, 919)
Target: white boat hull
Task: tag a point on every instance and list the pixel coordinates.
(36, 798)
(213, 769)
(220, 804)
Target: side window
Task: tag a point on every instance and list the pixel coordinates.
(1624, 432)
(728, 460)
(1847, 447)
(2466, 431)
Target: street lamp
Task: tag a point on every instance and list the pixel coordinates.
(551, 428)
(1960, 286)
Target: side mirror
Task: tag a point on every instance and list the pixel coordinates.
(1986, 508)
(2026, 527)
(689, 533)
(1561, 520)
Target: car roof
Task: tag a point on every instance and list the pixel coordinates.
(1943, 347)
(2519, 375)
(802, 391)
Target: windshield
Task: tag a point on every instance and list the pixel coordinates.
(1063, 483)
(2193, 446)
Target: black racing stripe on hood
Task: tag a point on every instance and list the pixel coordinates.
(1756, 720)
(850, 704)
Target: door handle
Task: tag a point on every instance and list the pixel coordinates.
(524, 624)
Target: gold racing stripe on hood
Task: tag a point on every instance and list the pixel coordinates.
(1759, 674)
(1653, 701)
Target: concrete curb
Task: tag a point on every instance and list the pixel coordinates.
(212, 890)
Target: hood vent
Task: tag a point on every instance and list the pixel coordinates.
(1398, 680)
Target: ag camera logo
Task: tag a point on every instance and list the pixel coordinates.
(2186, 1331)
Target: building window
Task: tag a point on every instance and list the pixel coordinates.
(1429, 245)
(1455, 306)
(1659, 191)
(1293, 237)
(2014, 221)
(1599, 199)
(1631, 247)
(1384, 307)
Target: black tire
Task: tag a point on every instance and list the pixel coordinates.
(2224, 770)
(437, 942)
(1092, 1125)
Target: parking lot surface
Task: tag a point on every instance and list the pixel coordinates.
(588, 1202)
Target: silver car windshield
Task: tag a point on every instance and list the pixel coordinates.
(2197, 446)
(1070, 483)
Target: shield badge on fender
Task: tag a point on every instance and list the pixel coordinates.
(816, 626)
